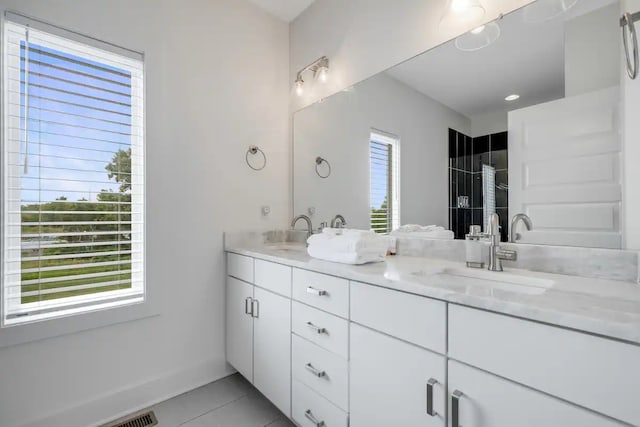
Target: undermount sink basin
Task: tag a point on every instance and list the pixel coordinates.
(507, 277)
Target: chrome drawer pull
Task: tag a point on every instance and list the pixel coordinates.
(313, 419)
(317, 372)
(455, 408)
(318, 329)
(430, 384)
(248, 306)
(318, 292)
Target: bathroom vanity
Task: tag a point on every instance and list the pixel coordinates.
(415, 342)
(524, 118)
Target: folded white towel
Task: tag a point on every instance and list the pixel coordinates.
(350, 242)
(357, 258)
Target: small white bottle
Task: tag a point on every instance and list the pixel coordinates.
(475, 247)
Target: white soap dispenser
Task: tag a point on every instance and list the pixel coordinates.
(476, 248)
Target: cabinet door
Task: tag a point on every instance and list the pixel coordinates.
(490, 401)
(389, 382)
(240, 326)
(272, 348)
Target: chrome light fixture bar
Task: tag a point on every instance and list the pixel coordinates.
(320, 69)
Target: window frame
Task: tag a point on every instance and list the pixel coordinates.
(98, 314)
(393, 141)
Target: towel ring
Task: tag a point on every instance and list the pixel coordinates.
(254, 149)
(627, 22)
(319, 161)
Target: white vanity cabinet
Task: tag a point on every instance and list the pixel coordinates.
(589, 371)
(480, 399)
(336, 353)
(258, 332)
(398, 367)
(394, 382)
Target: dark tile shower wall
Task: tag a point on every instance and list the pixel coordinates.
(466, 157)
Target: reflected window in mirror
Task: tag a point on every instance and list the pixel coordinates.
(384, 155)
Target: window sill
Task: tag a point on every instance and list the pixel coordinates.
(29, 332)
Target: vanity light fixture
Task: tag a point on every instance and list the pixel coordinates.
(320, 69)
(512, 97)
(478, 38)
(458, 12)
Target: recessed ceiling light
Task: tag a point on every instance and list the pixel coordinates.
(477, 30)
(512, 97)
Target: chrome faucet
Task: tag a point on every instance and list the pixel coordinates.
(513, 236)
(338, 222)
(307, 220)
(496, 255)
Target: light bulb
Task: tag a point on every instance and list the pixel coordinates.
(323, 74)
(299, 86)
(462, 12)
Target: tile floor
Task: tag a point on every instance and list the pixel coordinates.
(229, 402)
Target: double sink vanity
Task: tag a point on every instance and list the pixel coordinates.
(417, 341)
(520, 130)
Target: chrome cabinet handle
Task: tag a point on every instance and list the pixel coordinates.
(255, 308)
(455, 408)
(430, 384)
(317, 372)
(318, 329)
(318, 292)
(309, 415)
(248, 306)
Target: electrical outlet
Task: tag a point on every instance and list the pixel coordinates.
(266, 210)
(312, 211)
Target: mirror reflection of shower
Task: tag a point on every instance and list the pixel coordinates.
(478, 181)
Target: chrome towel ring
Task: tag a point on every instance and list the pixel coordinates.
(253, 150)
(320, 161)
(627, 22)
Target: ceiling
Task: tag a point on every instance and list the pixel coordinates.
(527, 59)
(287, 10)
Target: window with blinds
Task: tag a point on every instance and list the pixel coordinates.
(384, 155)
(73, 174)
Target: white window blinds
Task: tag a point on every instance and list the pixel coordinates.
(73, 174)
(384, 153)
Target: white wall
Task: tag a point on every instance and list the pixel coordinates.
(631, 150)
(363, 37)
(489, 123)
(216, 82)
(338, 129)
(592, 51)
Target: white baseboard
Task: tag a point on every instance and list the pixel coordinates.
(120, 403)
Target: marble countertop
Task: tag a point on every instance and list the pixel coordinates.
(604, 307)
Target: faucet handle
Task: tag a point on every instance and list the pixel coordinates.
(507, 255)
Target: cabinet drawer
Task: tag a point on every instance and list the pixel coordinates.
(273, 277)
(593, 372)
(328, 331)
(327, 293)
(418, 320)
(240, 267)
(490, 401)
(323, 371)
(312, 410)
